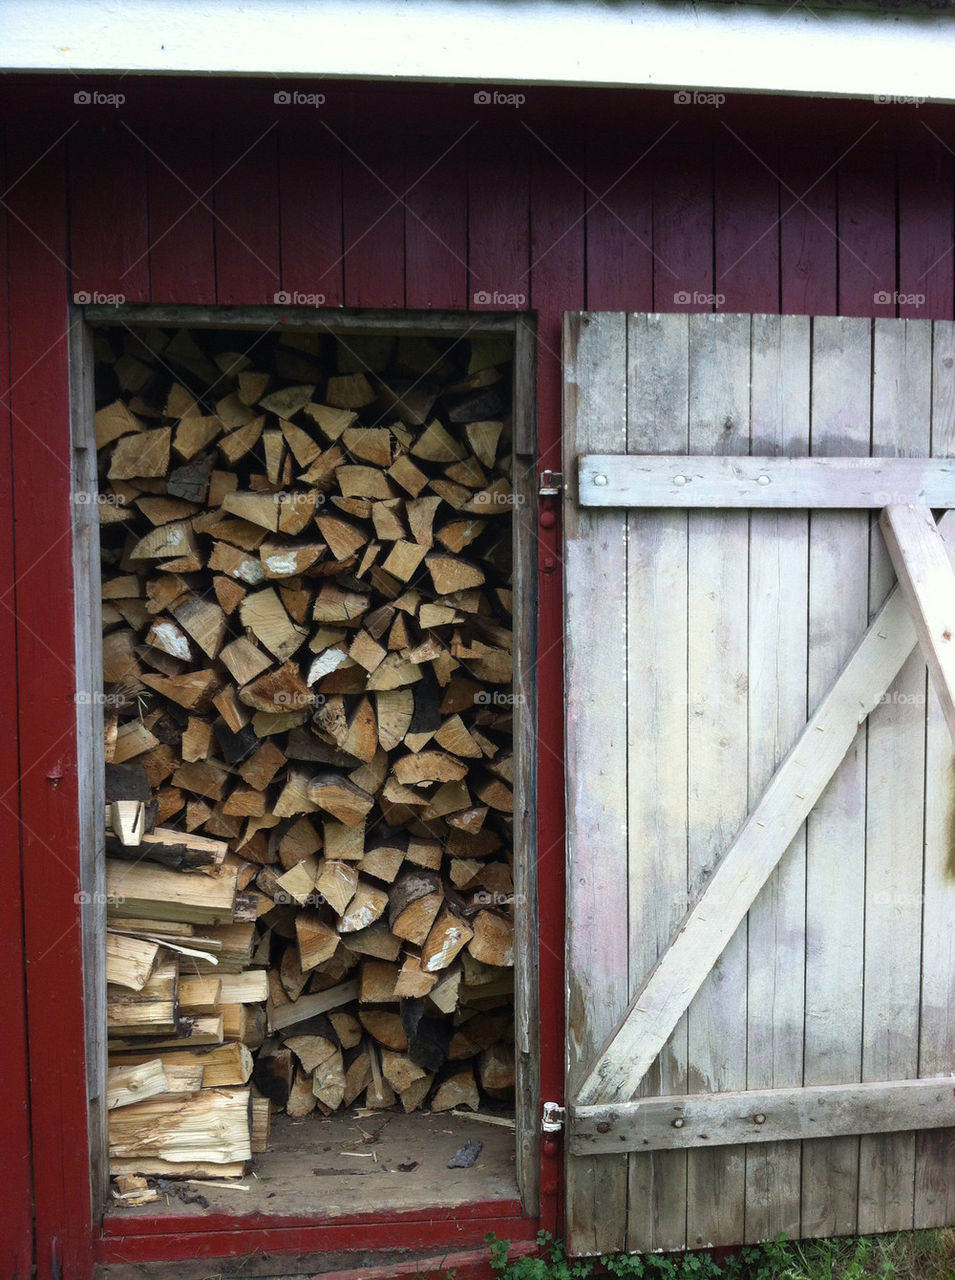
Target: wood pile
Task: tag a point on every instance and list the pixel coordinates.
(307, 680)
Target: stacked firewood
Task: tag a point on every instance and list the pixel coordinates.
(307, 676)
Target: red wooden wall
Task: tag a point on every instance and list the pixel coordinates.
(217, 192)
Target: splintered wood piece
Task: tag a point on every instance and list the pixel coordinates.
(132, 739)
(386, 517)
(129, 961)
(413, 903)
(470, 820)
(428, 766)
(349, 391)
(454, 737)
(436, 445)
(274, 1072)
(145, 453)
(367, 906)
(496, 1070)
(458, 1090)
(304, 449)
(448, 935)
(344, 843)
(383, 862)
(228, 593)
(451, 574)
(494, 793)
(363, 482)
(413, 982)
(449, 798)
(282, 559)
(379, 1093)
(357, 1078)
(444, 996)
(424, 852)
(301, 1101)
(288, 401)
(212, 1126)
(336, 604)
(343, 538)
(236, 563)
(395, 710)
(150, 1011)
(244, 660)
(385, 1027)
(337, 883)
(340, 797)
(193, 434)
(166, 542)
(237, 444)
(361, 740)
(421, 519)
(265, 616)
(161, 510)
(143, 890)
(377, 982)
(458, 534)
(199, 994)
(370, 444)
(347, 1028)
(377, 940)
(298, 883)
(257, 508)
(493, 940)
(366, 651)
(204, 621)
(328, 1080)
(113, 421)
(203, 778)
(483, 438)
(325, 663)
(294, 798)
(395, 672)
(403, 560)
(135, 1082)
(273, 446)
(317, 941)
(404, 472)
(455, 495)
(308, 1006)
(276, 691)
(399, 1070)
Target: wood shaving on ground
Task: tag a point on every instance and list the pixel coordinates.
(505, 1121)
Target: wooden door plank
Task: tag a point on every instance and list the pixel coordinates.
(935, 1152)
(246, 203)
(778, 604)
(310, 209)
(885, 1107)
(895, 765)
(182, 265)
(618, 1067)
(658, 363)
(717, 751)
(835, 833)
(683, 219)
(866, 203)
(436, 233)
(746, 222)
(807, 229)
(926, 260)
(756, 482)
(596, 570)
(619, 221)
(109, 256)
(928, 584)
(498, 230)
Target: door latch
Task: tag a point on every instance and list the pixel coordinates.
(553, 1118)
(551, 485)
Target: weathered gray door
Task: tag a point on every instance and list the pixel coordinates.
(761, 1003)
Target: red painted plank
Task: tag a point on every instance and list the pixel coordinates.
(867, 226)
(745, 221)
(683, 219)
(807, 230)
(245, 200)
(925, 229)
(109, 233)
(182, 267)
(16, 1175)
(473, 1265)
(620, 221)
(310, 194)
(436, 233)
(373, 186)
(498, 210)
(38, 283)
(219, 1236)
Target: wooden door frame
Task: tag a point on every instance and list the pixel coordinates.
(174, 1236)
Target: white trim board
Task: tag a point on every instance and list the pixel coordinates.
(634, 43)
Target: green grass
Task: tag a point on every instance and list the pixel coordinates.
(920, 1255)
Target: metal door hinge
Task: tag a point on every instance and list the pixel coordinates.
(551, 485)
(553, 1118)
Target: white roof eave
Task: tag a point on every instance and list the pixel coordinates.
(741, 48)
